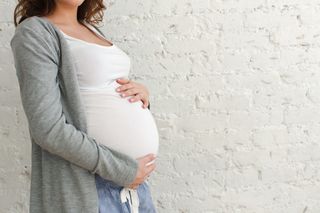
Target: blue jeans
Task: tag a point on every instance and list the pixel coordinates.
(113, 200)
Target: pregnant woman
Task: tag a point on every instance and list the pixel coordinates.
(115, 114)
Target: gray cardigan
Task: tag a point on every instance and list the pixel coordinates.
(64, 158)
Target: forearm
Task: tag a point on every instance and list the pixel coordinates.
(37, 65)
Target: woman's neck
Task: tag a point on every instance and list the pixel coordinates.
(64, 15)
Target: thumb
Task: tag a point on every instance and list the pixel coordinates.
(122, 80)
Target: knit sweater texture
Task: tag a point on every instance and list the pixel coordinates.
(64, 157)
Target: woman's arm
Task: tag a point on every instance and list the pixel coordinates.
(36, 64)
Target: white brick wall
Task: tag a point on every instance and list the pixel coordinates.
(235, 92)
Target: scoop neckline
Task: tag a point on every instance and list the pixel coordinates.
(86, 42)
(80, 40)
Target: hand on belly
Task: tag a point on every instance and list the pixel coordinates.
(137, 90)
(121, 125)
(144, 170)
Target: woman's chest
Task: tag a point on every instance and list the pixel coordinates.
(98, 66)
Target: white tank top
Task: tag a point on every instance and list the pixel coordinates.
(112, 120)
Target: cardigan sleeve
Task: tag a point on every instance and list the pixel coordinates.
(36, 64)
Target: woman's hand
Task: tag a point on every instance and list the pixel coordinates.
(131, 88)
(146, 166)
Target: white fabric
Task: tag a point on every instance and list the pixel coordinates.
(133, 199)
(112, 120)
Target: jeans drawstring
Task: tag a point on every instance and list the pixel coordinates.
(133, 198)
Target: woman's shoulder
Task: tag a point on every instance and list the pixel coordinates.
(33, 23)
(36, 33)
(36, 28)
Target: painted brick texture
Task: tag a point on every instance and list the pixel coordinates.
(234, 88)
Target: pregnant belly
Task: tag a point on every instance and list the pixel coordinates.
(119, 124)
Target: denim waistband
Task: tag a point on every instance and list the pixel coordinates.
(126, 194)
(101, 182)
